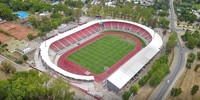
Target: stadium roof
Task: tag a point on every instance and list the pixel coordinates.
(122, 75)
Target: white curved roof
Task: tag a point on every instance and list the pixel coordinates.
(122, 75)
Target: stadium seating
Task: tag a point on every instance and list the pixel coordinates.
(54, 48)
(80, 35)
(64, 42)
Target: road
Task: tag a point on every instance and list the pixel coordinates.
(177, 66)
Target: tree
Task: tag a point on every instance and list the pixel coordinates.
(6, 12)
(126, 95)
(30, 85)
(163, 23)
(192, 42)
(77, 14)
(25, 57)
(143, 80)
(33, 21)
(134, 89)
(176, 91)
(172, 42)
(194, 90)
(7, 68)
(191, 58)
(197, 67)
(30, 36)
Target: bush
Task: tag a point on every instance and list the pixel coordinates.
(176, 92)
(25, 57)
(188, 65)
(191, 58)
(194, 90)
(30, 36)
(19, 61)
(7, 68)
(143, 80)
(197, 67)
(126, 95)
(134, 89)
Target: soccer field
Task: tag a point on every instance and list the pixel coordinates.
(103, 53)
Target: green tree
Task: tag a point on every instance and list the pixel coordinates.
(126, 95)
(176, 92)
(30, 36)
(163, 23)
(7, 68)
(172, 42)
(30, 85)
(134, 89)
(33, 21)
(77, 14)
(192, 42)
(194, 90)
(197, 67)
(25, 57)
(143, 80)
(6, 12)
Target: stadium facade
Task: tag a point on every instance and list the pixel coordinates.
(126, 71)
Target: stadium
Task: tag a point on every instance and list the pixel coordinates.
(109, 49)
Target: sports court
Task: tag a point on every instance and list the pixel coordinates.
(74, 67)
(103, 53)
(4, 38)
(16, 30)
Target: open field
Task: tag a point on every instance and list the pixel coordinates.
(103, 53)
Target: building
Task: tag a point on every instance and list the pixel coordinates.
(20, 46)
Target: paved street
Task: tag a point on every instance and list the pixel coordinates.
(177, 66)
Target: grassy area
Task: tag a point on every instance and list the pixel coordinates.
(103, 53)
(143, 43)
(196, 6)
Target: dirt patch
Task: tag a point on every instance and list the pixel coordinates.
(16, 30)
(4, 39)
(144, 93)
(188, 79)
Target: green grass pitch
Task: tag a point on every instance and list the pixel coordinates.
(103, 53)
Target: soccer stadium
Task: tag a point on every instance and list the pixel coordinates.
(108, 49)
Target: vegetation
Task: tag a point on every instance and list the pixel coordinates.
(198, 55)
(183, 10)
(191, 58)
(7, 68)
(126, 95)
(6, 12)
(25, 57)
(156, 73)
(163, 23)
(197, 67)
(30, 36)
(191, 39)
(30, 85)
(143, 80)
(132, 91)
(110, 47)
(176, 92)
(172, 42)
(194, 90)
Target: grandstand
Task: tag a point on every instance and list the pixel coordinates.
(64, 42)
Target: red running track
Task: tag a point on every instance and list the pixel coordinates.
(72, 67)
